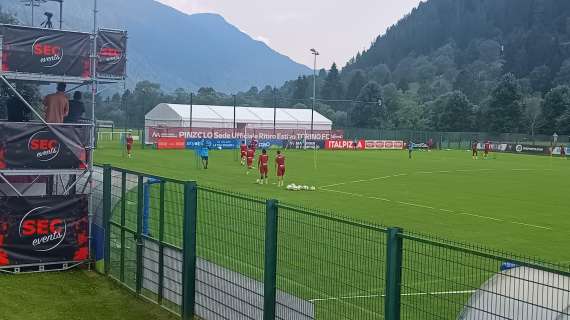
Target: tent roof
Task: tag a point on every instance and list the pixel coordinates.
(166, 111)
(520, 293)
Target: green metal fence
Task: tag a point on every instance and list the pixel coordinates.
(451, 140)
(208, 253)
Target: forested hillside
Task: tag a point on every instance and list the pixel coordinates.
(449, 65)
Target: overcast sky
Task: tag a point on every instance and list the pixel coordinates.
(336, 28)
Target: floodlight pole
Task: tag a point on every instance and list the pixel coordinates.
(274, 111)
(191, 105)
(315, 53)
(234, 125)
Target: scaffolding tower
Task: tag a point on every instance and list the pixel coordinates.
(72, 176)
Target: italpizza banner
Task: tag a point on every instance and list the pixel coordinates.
(45, 51)
(111, 54)
(39, 146)
(35, 230)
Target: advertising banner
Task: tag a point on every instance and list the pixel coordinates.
(522, 148)
(37, 146)
(300, 144)
(35, 230)
(345, 144)
(212, 143)
(384, 144)
(45, 51)
(496, 147)
(171, 143)
(154, 133)
(557, 151)
(111, 54)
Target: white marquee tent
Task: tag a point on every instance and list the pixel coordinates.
(176, 115)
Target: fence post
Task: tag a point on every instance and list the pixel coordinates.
(394, 247)
(270, 270)
(107, 215)
(189, 250)
(139, 237)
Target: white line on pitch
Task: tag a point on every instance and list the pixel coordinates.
(531, 225)
(523, 169)
(357, 181)
(425, 172)
(403, 294)
(479, 216)
(416, 205)
(445, 210)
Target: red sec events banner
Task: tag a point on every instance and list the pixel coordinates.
(37, 146)
(35, 230)
(345, 144)
(111, 54)
(45, 51)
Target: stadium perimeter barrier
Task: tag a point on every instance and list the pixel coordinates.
(212, 254)
(451, 140)
(441, 140)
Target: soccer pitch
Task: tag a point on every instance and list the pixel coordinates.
(516, 203)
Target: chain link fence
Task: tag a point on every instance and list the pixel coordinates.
(212, 254)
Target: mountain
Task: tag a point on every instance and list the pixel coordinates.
(174, 49)
(459, 65)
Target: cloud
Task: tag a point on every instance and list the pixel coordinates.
(189, 6)
(263, 39)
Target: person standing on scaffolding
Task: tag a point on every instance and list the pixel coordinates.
(56, 105)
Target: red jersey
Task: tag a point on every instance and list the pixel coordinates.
(243, 148)
(487, 146)
(250, 153)
(280, 160)
(129, 140)
(474, 146)
(263, 160)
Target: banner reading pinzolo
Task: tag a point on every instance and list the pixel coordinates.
(45, 51)
(37, 146)
(111, 54)
(36, 230)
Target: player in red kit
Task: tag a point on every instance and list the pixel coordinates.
(129, 140)
(243, 152)
(474, 149)
(253, 144)
(250, 155)
(263, 163)
(280, 166)
(487, 148)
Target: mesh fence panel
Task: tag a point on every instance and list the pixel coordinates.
(441, 280)
(328, 267)
(230, 247)
(336, 265)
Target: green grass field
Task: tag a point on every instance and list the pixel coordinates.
(74, 295)
(516, 203)
(509, 202)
